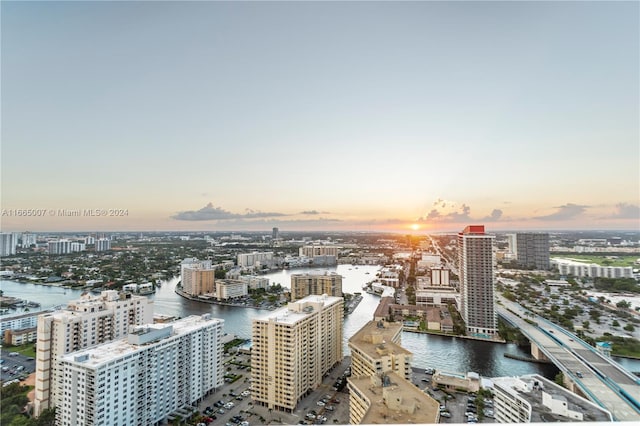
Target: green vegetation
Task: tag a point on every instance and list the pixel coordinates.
(233, 343)
(511, 334)
(14, 399)
(616, 285)
(622, 346)
(28, 349)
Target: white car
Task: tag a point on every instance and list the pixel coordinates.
(320, 403)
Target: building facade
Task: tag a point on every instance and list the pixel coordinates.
(102, 244)
(375, 349)
(568, 267)
(142, 379)
(59, 247)
(477, 281)
(293, 348)
(255, 259)
(533, 250)
(91, 320)
(7, 244)
(197, 280)
(303, 285)
(230, 289)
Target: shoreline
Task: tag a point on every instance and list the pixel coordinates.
(216, 302)
(435, 333)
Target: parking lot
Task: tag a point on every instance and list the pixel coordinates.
(15, 366)
(232, 404)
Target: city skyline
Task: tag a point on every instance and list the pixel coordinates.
(337, 116)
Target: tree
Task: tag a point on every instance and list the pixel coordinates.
(623, 304)
(559, 379)
(615, 323)
(629, 327)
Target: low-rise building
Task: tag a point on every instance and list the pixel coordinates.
(469, 382)
(230, 289)
(534, 399)
(20, 337)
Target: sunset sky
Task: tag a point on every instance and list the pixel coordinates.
(374, 116)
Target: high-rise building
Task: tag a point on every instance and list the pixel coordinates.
(376, 349)
(477, 286)
(142, 379)
(102, 244)
(533, 250)
(320, 254)
(59, 247)
(85, 322)
(197, 279)
(28, 239)
(275, 233)
(7, 244)
(303, 285)
(293, 348)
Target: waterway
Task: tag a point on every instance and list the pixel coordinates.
(445, 353)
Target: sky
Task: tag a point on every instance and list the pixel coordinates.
(371, 116)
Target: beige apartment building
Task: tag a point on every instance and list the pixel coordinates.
(388, 398)
(375, 349)
(198, 279)
(293, 348)
(89, 321)
(303, 285)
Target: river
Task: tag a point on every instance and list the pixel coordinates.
(446, 353)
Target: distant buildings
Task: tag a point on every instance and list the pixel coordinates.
(8, 244)
(16, 324)
(293, 348)
(59, 247)
(475, 260)
(533, 250)
(568, 267)
(303, 285)
(534, 399)
(320, 254)
(142, 379)
(255, 259)
(102, 244)
(89, 321)
(255, 282)
(275, 233)
(230, 289)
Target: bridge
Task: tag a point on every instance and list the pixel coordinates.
(586, 372)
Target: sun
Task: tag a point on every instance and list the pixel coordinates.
(415, 226)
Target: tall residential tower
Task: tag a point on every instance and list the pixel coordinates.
(475, 260)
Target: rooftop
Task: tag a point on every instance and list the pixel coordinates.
(300, 309)
(539, 413)
(377, 338)
(99, 355)
(395, 400)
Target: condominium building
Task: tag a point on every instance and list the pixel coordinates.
(533, 250)
(477, 287)
(255, 282)
(388, 398)
(197, 279)
(534, 399)
(89, 321)
(321, 255)
(293, 348)
(303, 285)
(230, 289)
(8, 244)
(440, 276)
(376, 349)
(102, 244)
(142, 379)
(59, 247)
(255, 259)
(28, 239)
(569, 267)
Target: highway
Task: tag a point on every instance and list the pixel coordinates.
(603, 381)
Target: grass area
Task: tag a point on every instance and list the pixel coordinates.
(28, 349)
(602, 259)
(622, 346)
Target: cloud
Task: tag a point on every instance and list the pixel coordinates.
(460, 216)
(495, 215)
(567, 212)
(209, 212)
(625, 211)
